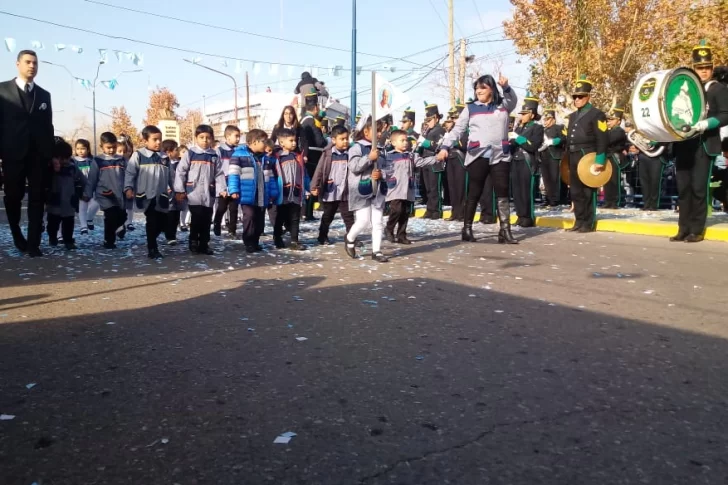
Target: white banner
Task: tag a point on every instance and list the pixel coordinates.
(389, 97)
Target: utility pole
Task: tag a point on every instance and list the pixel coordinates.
(451, 41)
(232, 78)
(352, 109)
(247, 100)
(463, 56)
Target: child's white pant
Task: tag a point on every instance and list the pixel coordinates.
(87, 212)
(364, 217)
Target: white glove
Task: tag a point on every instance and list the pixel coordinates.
(720, 162)
(700, 126)
(421, 139)
(512, 135)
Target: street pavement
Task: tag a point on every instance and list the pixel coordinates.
(567, 359)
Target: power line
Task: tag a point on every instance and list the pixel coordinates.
(437, 13)
(161, 46)
(477, 11)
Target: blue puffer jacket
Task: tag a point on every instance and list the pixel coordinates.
(247, 173)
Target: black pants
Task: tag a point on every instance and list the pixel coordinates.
(433, 187)
(456, 180)
(253, 224)
(114, 218)
(310, 200)
(329, 211)
(200, 222)
(157, 223)
(613, 188)
(551, 173)
(64, 223)
(229, 205)
(421, 184)
(651, 182)
(478, 172)
(37, 174)
(399, 214)
(487, 201)
(170, 229)
(522, 181)
(721, 193)
(693, 171)
(584, 198)
(289, 215)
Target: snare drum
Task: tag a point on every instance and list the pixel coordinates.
(664, 102)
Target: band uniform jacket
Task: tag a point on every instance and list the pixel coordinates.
(555, 132)
(435, 135)
(24, 126)
(531, 137)
(716, 97)
(587, 132)
(616, 144)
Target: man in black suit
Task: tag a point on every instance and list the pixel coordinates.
(26, 144)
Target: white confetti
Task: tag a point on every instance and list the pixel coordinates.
(31, 385)
(110, 323)
(648, 292)
(498, 311)
(165, 441)
(6, 417)
(301, 339)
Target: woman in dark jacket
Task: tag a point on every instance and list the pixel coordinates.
(288, 120)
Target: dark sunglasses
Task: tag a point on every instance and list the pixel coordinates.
(579, 96)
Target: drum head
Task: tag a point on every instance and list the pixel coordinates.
(684, 99)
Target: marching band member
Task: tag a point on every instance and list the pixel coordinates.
(432, 176)
(525, 142)
(455, 169)
(615, 146)
(694, 157)
(586, 133)
(551, 152)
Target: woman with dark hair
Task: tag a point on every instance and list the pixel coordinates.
(488, 152)
(289, 121)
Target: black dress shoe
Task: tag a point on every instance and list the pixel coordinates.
(108, 245)
(527, 223)
(350, 248)
(679, 237)
(155, 254)
(19, 240)
(584, 229)
(487, 219)
(205, 250)
(216, 229)
(35, 252)
(389, 235)
(380, 258)
(404, 240)
(296, 246)
(693, 238)
(324, 241)
(574, 228)
(278, 243)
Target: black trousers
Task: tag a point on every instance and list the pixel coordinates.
(229, 205)
(651, 182)
(170, 229)
(310, 199)
(487, 201)
(584, 198)
(64, 223)
(478, 172)
(421, 184)
(36, 172)
(433, 187)
(289, 215)
(157, 223)
(200, 222)
(551, 173)
(693, 169)
(456, 181)
(613, 188)
(329, 211)
(522, 181)
(114, 218)
(254, 223)
(399, 214)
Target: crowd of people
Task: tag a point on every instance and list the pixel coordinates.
(479, 154)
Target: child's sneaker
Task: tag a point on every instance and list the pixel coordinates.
(90, 225)
(380, 258)
(183, 228)
(296, 246)
(130, 227)
(155, 254)
(205, 250)
(121, 233)
(278, 241)
(70, 246)
(108, 245)
(84, 231)
(172, 242)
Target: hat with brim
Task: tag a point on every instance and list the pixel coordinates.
(530, 105)
(582, 87)
(432, 111)
(549, 113)
(702, 55)
(408, 115)
(589, 176)
(615, 113)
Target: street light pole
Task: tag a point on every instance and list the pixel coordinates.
(93, 95)
(352, 110)
(235, 84)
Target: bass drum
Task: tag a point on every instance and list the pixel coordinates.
(564, 169)
(665, 102)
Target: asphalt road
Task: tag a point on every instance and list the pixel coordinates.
(568, 359)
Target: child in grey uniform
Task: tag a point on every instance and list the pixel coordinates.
(67, 186)
(106, 184)
(400, 179)
(86, 210)
(149, 182)
(124, 149)
(294, 180)
(200, 179)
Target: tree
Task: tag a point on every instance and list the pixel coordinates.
(121, 124)
(613, 42)
(82, 129)
(191, 120)
(162, 103)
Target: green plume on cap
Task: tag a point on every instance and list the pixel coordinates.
(582, 77)
(470, 100)
(426, 104)
(457, 100)
(703, 43)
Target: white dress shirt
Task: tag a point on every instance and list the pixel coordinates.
(21, 84)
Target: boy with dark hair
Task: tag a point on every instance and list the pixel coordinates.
(67, 186)
(314, 141)
(199, 178)
(254, 180)
(329, 183)
(106, 182)
(149, 177)
(399, 170)
(170, 149)
(227, 204)
(294, 180)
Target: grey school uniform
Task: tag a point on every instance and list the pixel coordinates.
(149, 176)
(200, 175)
(292, 176)
(399, 172)
(337, 177)
(488, 129)
(360, 170)
(106, 181)
(66, 186)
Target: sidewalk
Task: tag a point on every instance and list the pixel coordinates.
(626, 221)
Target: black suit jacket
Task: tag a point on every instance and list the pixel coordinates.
(20, 129)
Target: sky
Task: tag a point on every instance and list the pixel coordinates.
(388, 34)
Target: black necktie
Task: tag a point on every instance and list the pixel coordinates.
(27, 89)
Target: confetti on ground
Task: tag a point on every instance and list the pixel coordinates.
(31, 385)
(498, 311)
(6, 417)
(301, 339)
(110, 323)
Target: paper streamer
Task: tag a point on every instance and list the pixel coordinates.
(77, 49)
(10, 44)
(37, 45)
(111, 84)
(196, 60)
(238, 67)
(138, 59)
(256, 68)
(273, 70)
(118, 55)
(84, 82)
(103, 55)
(224, 62)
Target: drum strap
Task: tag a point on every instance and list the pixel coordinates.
(709, 84)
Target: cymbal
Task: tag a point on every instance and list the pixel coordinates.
(589, 176)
